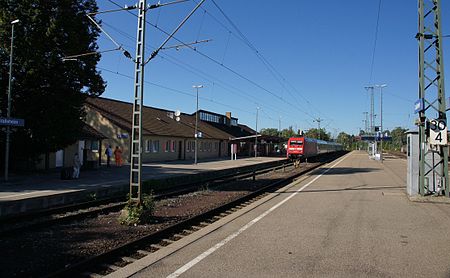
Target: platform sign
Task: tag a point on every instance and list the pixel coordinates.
(419, 105)
(438, 132)
(12, 122)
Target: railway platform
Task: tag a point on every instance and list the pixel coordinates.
(22, 194)
(349, 218)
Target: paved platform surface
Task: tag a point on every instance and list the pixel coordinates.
(32, 186)
(350, 218)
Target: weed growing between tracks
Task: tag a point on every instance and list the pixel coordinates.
(138, 213)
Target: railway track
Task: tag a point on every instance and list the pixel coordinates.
(114, 259)
(78, 211)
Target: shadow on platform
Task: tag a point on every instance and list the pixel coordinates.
(344, 170)
(355, 188)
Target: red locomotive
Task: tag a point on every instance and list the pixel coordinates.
(299, 147)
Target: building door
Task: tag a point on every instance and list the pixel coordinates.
(59, 162)
(80, 151)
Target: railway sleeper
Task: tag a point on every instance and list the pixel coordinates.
(166, 242)
(128, 259)
(177, 237)
(91, 275)
(111, 267)
(156, 246)
(143, 252)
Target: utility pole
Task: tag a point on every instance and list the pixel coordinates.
(366, 122)
(8, 111)
(381, 119)
(433, 173)
(140, 62)
(136, 131)
(318, 120)
(279, 126)
(256, 132)
(196, 124)
(372, 109)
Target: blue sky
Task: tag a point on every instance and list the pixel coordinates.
(321, 52)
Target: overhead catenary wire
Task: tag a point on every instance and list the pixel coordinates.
(224, 66)
(176, 91)
(375, 42)
(272, 70)
(187, 67)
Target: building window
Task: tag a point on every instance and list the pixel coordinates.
(155, 146)
(148, 146)
(216, 145)
(94, 146)
(173, 146)
(167, 146)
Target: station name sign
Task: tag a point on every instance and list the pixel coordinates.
(419, 105)
(12, 122)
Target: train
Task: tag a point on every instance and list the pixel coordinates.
(303, 147)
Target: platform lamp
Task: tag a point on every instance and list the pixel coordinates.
(381, 118)
(256, 132)
(196, 124)
(8, 111)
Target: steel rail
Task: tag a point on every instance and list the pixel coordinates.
(50, 216)
(132, 247)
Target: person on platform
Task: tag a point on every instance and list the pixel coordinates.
(108, 153)
(76, 166)
(118, 156)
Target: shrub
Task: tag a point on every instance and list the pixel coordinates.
(134, 213)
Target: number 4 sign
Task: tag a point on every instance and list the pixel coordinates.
(438, 132)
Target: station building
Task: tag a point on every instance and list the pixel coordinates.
(166, 136)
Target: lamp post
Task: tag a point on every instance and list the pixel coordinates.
(196, 123)
(381, 118)
(8, 111)
(256, 132)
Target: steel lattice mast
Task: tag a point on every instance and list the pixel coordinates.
(136, 132)
(433, 160)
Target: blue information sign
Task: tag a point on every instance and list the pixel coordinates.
(12, 122)
(419, 105)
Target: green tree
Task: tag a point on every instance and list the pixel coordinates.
(48, 92)
(316, 133)
(288, 132)
(270, 131)
(345, 139)
(398, 137)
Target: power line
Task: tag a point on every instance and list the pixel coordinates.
(196, 71)
(175, 90)
(221, 65)
(375, 42)
(275, 73)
